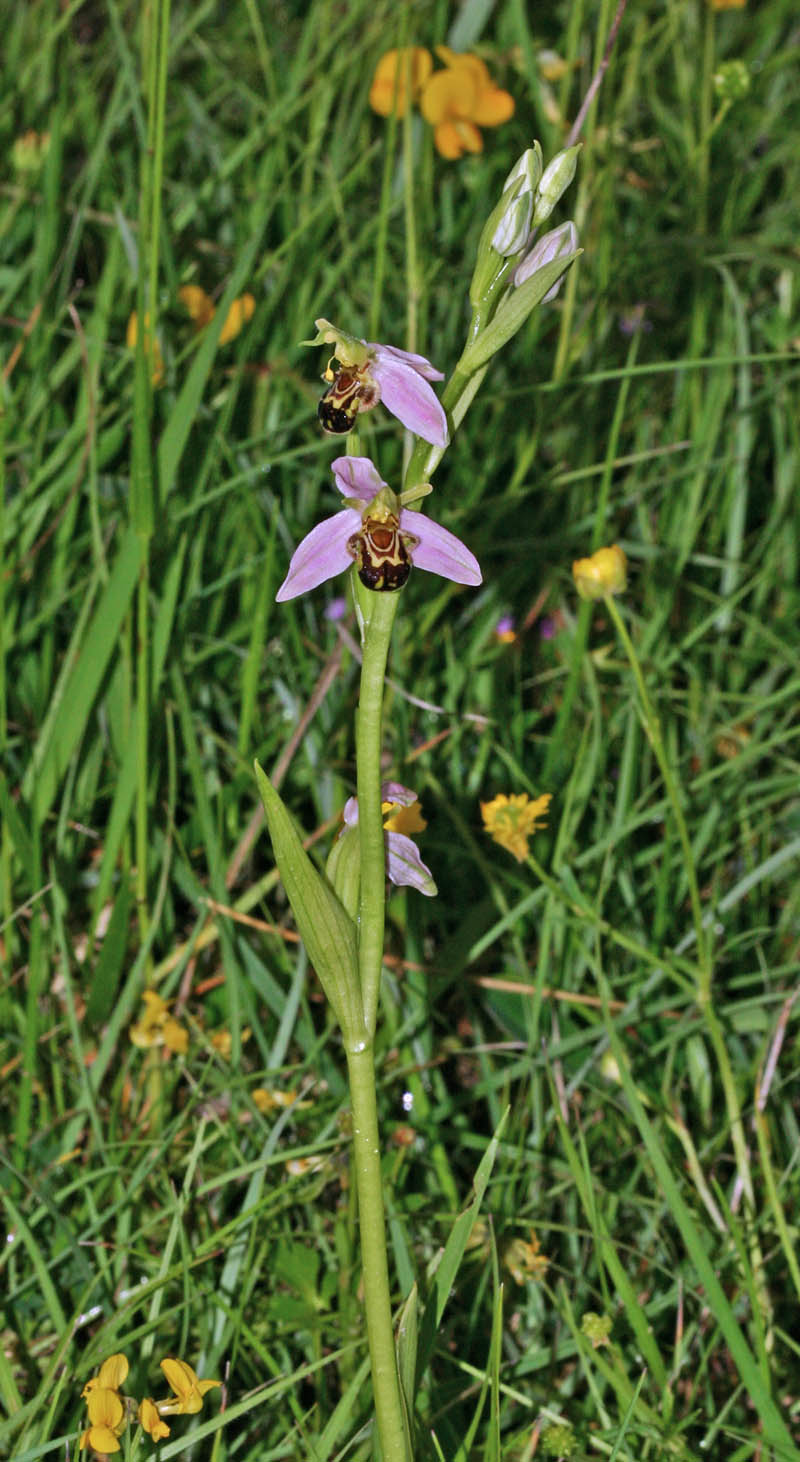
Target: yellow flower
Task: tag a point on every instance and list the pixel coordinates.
(106, 1420)
(151, 1420)
(152, 349)
(604, 573)
(406, 820)
(524, 1259)
(727, 4)
(200, 307)
(222, 1041)
(110, 1376)
(399, 78)
(460, 100)
(157, 1027)
(266, 1099)
(240, 312)
(512, 820)
(189, 1389)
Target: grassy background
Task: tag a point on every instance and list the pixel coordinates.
(151, 1205)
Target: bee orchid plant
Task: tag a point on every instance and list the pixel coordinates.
(380, 535)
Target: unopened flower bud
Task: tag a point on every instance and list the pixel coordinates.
(511, 233)
(604, 573)
(553, 245)
(555, 180)
(731, 81)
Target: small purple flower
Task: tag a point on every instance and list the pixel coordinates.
(361, 373)
(506, 629)
(404, 866)
(336, 610)
(381, 536)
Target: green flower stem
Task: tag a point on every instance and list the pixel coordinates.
(389, 1413)
(378, 612)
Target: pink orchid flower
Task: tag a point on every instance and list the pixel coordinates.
(377, 533)
(361, 373)
(404, 866)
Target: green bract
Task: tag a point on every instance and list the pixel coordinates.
(325, 927)
(512, 312)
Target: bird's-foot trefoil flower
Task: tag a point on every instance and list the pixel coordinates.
(188, 1388)
(399, 78)
(111, 1375)
(361, 373)
(157, 1027)
(379, 534)
(201, 308)
(151, 1420)
(512, 820)
(106, 1420)
(460, 100)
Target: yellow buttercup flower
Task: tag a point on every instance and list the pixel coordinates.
(150, 1418)
(152, 349)
(512, 820)
(727, 4)
(604, 573)
(460, 100)
(110, 1376)
(188, 1388)
(106, 1420)
(399, 78)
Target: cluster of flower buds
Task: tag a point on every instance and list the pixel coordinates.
(509, 249)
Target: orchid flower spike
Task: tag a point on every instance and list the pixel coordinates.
(377, 533)
(361, 373)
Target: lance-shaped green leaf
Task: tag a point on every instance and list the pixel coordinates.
(512, 312)
(326, 928)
